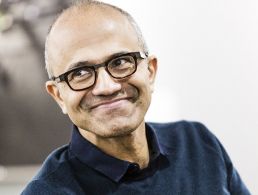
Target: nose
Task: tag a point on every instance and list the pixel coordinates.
(105, 84)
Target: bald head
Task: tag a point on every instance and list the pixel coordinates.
(92, 18)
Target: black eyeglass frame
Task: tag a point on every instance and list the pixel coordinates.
(64, 76)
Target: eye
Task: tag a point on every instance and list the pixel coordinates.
(118, 62)
(121, 62)
(81, 75)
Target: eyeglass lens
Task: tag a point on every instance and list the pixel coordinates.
(84, 77)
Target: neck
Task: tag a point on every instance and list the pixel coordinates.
(132, 147)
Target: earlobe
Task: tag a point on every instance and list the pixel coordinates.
(53, 90)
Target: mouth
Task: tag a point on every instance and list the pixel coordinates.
(112, 104)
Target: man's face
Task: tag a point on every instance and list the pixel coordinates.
(112, 107)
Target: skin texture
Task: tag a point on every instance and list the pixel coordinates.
(111, 113)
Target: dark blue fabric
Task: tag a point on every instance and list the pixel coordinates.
(186, 158)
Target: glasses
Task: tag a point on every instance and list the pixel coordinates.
(119, 67)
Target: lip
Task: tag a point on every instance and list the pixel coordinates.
(110, 104)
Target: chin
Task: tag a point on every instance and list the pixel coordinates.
(116, 127)
(115, 133)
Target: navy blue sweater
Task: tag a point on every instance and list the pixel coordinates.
(186, 158)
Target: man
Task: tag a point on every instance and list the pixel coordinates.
(102, 77)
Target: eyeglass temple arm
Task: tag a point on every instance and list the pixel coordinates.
(57, 79)
(144, 54)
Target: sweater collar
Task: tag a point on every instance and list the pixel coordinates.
(108, 165)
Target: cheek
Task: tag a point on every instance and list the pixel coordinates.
(72, 100)
(74, 110)
(144, 92)
(142, 82)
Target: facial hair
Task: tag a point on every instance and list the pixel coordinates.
(129, 92)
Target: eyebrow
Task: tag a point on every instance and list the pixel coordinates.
(88, 63)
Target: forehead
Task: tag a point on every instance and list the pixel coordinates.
(91, 34)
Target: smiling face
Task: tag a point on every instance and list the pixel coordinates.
(111, 107)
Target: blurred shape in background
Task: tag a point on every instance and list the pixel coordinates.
(31, 125)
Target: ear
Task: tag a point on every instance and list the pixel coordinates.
(53, 90)
(152, 67)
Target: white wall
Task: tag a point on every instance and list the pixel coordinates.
(208, 67)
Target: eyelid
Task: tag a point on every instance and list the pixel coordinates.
(79, 70)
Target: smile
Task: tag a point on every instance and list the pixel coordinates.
(111, 104)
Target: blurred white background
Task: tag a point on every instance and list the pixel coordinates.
(208, 66)
(208, 69)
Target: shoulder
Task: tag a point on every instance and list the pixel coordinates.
(40, 187)
(181, 128)
(54, 163)
(192, 144)
(54, 174)
(186, 134)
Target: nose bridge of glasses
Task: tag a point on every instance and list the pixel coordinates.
(104, 65)
(105, 83)
(97, 66)
(102, 73)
